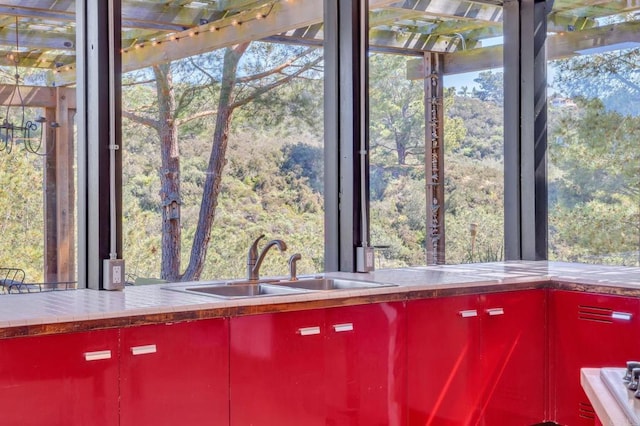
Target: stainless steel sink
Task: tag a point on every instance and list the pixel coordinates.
(236, 291)
(331, 284)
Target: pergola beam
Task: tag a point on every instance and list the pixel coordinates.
(458, 9)
(278, 19)
(559, 46)
(37, 96)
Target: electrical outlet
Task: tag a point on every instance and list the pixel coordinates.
(365, 259)
(113, 274)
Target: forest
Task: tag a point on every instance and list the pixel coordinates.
(253, 137)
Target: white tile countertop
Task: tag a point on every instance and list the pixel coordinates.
(85, 305)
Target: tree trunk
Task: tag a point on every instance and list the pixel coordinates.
(169, 174)
(217, 161)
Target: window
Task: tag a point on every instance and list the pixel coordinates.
(436, 134)
(38, 150)
(223, 143)
(594, 129)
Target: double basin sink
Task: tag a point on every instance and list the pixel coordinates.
(244, 289)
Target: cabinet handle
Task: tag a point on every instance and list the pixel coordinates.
(308, 331)
(469, 313)
(495, 311)
(338, 328)
(97, 355)
(626, 316)
(143, 350)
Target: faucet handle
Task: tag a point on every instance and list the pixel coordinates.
(630, 366)
(292, 266)
(253, 249)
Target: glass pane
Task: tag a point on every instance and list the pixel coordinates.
(37, 150)
(436, 110)
(223, 138)
(594, 129)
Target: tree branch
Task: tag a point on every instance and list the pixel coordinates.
(277, 83)
(195, 116)
(276, 70)
(141, 120)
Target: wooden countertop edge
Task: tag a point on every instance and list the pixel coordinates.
(234, 311)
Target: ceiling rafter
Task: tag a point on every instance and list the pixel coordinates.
(279, 19)
(559, 46)
(458, 9)
(456, 27)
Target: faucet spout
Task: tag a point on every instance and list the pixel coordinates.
(254, 260)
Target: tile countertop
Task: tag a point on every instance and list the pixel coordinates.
(72, 307)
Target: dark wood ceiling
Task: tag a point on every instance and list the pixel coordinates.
(155, 31)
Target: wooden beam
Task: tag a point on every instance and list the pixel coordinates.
(412, 41)
(50, 203)
(458, 9)
(38, 59)
(36, 96)
(559, 46)
(594, 8)
(278, 18)
(473, 60)
(38, 39)
(65, 188)
(564, 45)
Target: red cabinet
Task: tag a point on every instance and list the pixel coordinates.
(589, 330)
(175, 374)
(317, 367)
(477, 359)
(365, 365)
(443, 345)
(276, 363)
(66, 379)
(513, 357)
(150, 375)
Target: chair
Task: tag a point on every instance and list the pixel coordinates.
(12, 279)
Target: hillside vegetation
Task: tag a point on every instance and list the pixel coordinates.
(272, 180)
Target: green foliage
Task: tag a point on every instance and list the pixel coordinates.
(612, 77)
(594, 184)
(491, 87)
(483, 134)
(22, 221)
(396, 109)
(305, 161)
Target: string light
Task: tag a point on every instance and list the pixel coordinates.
(212, 28)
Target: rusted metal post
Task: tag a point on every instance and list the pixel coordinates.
(434, 157)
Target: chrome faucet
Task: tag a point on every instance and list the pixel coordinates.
(254, 260)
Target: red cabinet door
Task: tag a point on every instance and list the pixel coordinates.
(588, 330)
(62, 379)
(365, 365)
(277, 369)
(175, 374)
(513, 373)
(443, 361)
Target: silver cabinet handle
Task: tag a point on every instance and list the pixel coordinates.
(339, 328)
(495, 311)
(625, 316)
(143, 350)
(469, 313)
(308, 331)
(97, 355)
